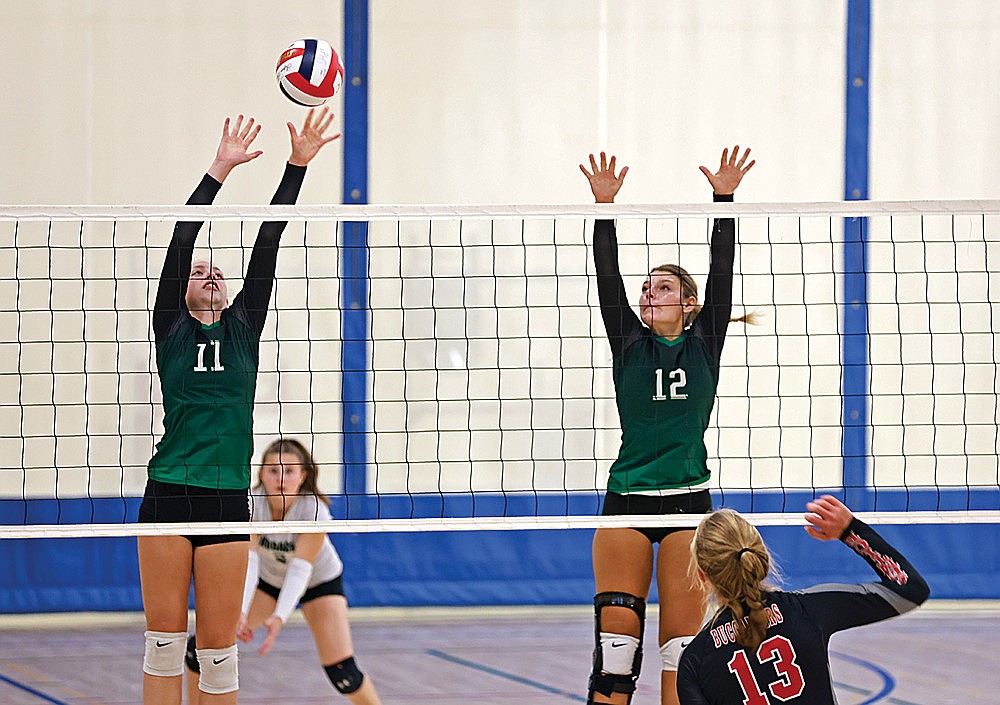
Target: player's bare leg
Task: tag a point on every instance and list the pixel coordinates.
(681, 601)
(165, 564)
(623, 563)
(331, 630)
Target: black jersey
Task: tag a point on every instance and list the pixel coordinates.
(664, 389)
(208, 374)
(792, 663)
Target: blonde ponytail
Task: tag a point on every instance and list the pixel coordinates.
(731, 554)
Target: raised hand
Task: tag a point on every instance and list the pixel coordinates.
(603, 182)
(828, 518)
(234, 147)
(306, 144)
(732, 169)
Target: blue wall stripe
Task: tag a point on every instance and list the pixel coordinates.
(531, 567)
(855, 307)
(354, 251)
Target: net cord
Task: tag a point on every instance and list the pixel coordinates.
(365, 526)
(977, 208)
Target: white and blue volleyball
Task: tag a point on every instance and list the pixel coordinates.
(309, 72)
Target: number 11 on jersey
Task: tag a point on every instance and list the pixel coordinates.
(680, 381)
(217, 348)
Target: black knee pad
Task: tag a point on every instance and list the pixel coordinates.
(608, 683)
(190, 657)
(345, 675)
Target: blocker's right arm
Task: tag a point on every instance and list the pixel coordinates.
(231, 152)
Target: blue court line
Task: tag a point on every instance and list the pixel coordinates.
(888, 682)
(503, 674)
(29, 689)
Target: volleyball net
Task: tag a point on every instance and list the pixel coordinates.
(449, 368)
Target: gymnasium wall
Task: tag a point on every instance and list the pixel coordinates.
(114, 102)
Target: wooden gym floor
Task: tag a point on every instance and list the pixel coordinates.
(942, 653)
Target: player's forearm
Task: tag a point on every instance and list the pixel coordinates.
(895, 572)
(619, 319)
(177, 262)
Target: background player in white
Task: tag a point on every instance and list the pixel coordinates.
(765, 645)
(287, 569)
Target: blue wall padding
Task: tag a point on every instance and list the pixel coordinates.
(534, 567)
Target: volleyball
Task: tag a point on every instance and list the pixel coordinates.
(309, 72)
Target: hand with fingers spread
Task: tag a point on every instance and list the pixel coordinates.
(307, 143)
(603, 182)
(732, 169)
(828, 518)
(234, 147)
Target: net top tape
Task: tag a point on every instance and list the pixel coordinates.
(845, 209)
(467, 524)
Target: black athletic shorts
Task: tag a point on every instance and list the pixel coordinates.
(165, 502)
(699, 502)
(330, 587)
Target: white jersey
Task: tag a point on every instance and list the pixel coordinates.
(275, 550)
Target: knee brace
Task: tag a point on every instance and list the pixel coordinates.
(671, 652)
(190, 657)
(164, 653)
(345, 676)
(219, 670)
(617, 657)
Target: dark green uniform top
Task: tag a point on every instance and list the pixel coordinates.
(665, 390)
(208, 374)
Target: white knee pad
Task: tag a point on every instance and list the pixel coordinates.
(219, 670)
(672, 650)
(618, 652)
(164, 653)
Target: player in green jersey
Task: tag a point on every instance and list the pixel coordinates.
(666, 369)
(207, 355)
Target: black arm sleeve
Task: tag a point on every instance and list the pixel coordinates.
(713, 320)
(255, 297)
(177, 264)
(620, 321)
(900, 588)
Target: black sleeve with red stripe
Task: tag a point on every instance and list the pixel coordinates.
(900, 588)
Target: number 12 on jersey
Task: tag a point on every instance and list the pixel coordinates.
(680, 381)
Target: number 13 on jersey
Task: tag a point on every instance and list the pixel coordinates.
(678, 381)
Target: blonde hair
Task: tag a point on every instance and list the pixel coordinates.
(689, 289)
(731, 554)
